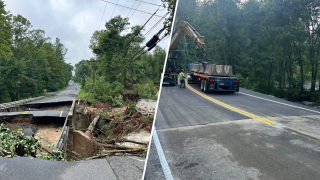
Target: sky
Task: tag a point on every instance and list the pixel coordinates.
(74, 21)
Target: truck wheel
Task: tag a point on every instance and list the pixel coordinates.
(205, 87)
(202, 85)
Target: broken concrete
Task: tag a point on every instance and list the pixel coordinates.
(83, 145)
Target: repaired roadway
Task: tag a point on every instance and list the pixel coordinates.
(245, 135)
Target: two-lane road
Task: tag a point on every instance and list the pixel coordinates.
(245, 135)
(66, 95)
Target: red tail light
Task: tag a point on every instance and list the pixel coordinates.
(199, 79)
(236, 80)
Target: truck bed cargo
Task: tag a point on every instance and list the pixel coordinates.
(213, 70)
(214, 78)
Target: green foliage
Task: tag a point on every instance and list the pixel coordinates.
(147, 91)
(117, 101)
(147, 119)
(272, 45)
(106, 44)
(132, 108)
(108, 131)
(29, 61)
(16, 144)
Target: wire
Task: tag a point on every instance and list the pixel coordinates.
(124, 65)
(134, 36)
(129, 8)
(102, 15)
(135, 10)
(150, 30)
(151, 4)
(132, 7)
(131, 60)
(114, 9)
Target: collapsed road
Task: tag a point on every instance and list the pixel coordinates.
(45, 118)
(245, 135)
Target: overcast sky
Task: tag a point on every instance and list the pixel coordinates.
(74, 21)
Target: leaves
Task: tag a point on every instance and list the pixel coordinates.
(29, 62)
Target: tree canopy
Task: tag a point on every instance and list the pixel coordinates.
(111, 52)
(29, 61)
(273, 45)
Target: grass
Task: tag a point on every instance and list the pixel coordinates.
(83, 94)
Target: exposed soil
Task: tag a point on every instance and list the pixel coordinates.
(49, 133)
(117, 126)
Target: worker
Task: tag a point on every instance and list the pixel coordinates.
(182, 77)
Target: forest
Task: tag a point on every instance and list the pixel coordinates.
(111, 52)
(272, 45)
(30, 61)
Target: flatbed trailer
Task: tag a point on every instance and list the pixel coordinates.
(214, 83)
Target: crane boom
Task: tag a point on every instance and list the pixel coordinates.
(185, 27)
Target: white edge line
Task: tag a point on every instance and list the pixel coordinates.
(162, 158)
(281, 103)
(61, 113)
(155, 113)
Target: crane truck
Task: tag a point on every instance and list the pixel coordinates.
(211, 77)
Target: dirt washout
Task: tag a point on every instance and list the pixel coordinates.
(120, 131)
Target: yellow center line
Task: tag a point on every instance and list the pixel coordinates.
(25, 112)
(56, 99)
(231, 107)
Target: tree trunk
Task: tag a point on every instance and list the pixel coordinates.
(92, 125)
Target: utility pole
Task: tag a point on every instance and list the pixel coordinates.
(93, 79)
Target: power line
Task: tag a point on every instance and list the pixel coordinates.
(129, 7)
(135, 35)
(135, 10)
(114, 9)
(127, 63)
(150, 30)
(102, 15)
(151, 3)
(132, 7)
(131, 60)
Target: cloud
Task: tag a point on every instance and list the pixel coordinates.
(63, 5)
(74, 21)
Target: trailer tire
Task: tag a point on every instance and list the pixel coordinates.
(205, 87)
(202, 82)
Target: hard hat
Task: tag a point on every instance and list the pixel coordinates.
(182, 70)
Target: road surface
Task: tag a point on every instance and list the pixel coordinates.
(66, 95)
(245, 135)
(37, 114)
(113, 168)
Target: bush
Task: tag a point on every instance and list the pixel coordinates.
(117, 101)
(132, 108)
(106, 92)
(148, 91)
